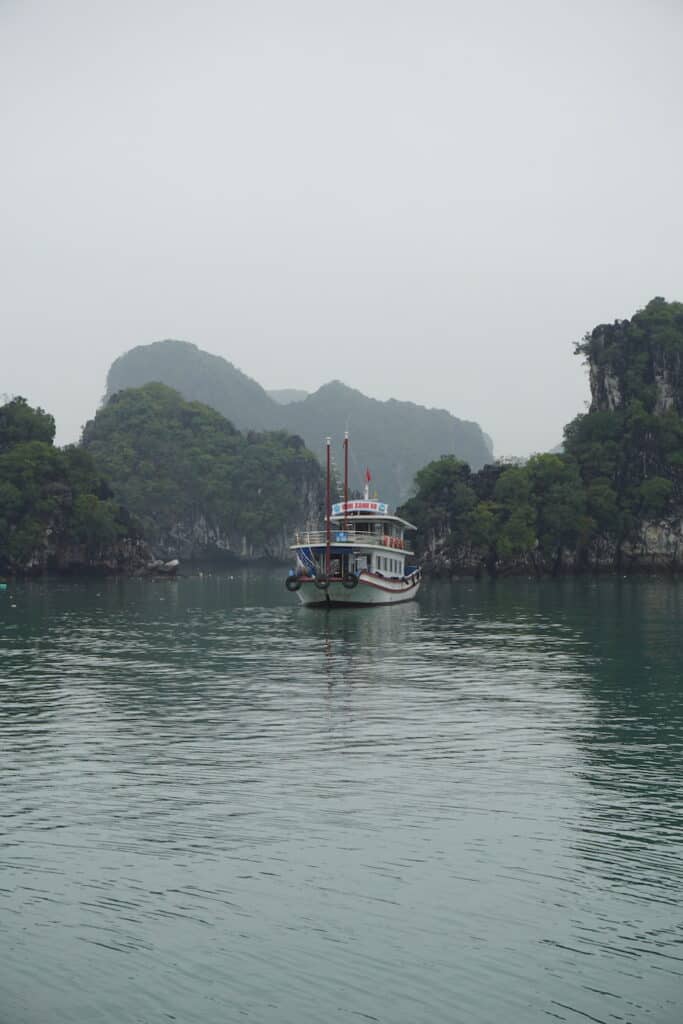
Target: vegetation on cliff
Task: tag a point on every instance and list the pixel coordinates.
(192, 479)
(499, 517)
(394, 438)
(621, 471)
(629, 446)
(51, 499)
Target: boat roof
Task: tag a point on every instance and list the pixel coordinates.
(370, 518)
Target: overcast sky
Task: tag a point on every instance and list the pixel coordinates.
(429, 200)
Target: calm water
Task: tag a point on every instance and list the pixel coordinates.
(216, 806)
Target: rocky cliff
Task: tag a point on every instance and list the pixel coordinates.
(198, 537)
(612, 500)
(657, 549)
(638, 360)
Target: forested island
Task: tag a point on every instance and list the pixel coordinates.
(612, 501)
(56, 509)
(154, 477)
(199, 487)
(157, 475)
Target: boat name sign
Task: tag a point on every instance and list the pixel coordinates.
(360, 506)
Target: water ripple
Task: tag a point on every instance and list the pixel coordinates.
(215, 805)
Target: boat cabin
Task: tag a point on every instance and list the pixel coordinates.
(364, 537)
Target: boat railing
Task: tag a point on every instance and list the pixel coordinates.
(313, 538)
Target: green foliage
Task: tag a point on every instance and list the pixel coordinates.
(48, 496)
(444, 499)
(394, 438)
(637, 355)
(515, 515)
(558, 499)
(629, 447)
(622, 462)
(19, 423)
(176, 463)
(538, 507)
(655, 494)
(95, 522)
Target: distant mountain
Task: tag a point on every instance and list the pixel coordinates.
(395, 439)
(287, 395)
(198, 376)
(391, 438)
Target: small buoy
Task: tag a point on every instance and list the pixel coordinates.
(3, 586)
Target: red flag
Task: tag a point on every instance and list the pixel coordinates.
(368, 475)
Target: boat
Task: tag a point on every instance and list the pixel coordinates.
(362, 556)
(160, 568)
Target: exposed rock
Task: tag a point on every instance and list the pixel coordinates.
(657, 549)
(200, 540)
(628, 361)
(127, 556)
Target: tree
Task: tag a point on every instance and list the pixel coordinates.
(177, 464)
(19, 423)
(48, 496)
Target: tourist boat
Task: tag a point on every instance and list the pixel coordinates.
(361, 557)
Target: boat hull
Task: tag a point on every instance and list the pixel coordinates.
(368, 591)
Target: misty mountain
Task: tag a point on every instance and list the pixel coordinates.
(198, 376)
(395, 439)
(284, 396)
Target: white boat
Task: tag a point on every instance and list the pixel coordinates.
(360, 557)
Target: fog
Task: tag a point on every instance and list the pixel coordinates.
(429, 201)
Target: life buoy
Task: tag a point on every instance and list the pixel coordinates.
(322, 582)
(350, 580)
(292, 583)
(386, 540)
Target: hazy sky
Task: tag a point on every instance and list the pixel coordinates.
(428, 200)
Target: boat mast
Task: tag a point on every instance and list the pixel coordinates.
(346, 474)
(328, 510)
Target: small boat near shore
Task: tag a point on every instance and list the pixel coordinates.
(160, 568)
(362, 556)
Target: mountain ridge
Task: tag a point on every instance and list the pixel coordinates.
(394, 437)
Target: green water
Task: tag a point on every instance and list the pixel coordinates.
(218, 806)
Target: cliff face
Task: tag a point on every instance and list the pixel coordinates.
(636, 378)
(638, 360)
(657, 549)
(125, 556)
(661, 384)
(198, 537)
(612, 501)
